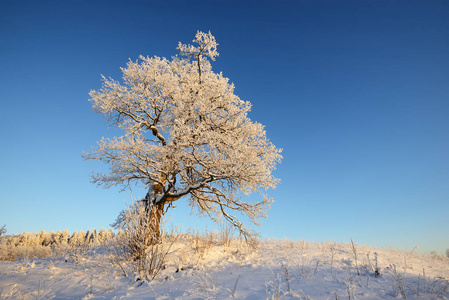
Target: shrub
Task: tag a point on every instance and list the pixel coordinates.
(134, 250)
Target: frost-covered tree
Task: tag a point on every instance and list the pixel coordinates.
(57, 237)
(77, 238)
(45, 238)
(185, 134)
(2, 230)
(64, 239)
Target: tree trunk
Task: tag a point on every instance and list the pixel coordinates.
(154, 213)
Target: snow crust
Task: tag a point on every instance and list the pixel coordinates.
(277, 269)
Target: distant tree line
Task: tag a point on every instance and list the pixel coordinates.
(52, 238)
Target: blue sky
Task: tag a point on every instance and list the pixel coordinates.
(355, 92)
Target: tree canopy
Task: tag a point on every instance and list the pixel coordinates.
(186, 132)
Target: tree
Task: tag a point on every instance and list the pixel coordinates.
(65, 236)
(185, 134)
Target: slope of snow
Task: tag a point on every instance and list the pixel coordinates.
(275, 270)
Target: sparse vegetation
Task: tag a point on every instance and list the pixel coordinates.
(201, 264)
(136, 249)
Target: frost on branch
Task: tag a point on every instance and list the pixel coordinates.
(206, 45)
(185, 134)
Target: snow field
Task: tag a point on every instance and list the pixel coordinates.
(206, 267)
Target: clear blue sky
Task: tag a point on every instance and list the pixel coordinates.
(355, 92)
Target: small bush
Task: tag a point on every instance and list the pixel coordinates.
(133, 252)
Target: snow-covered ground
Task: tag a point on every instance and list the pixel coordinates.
(277, 269)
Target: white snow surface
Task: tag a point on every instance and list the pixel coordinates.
(277, 269)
